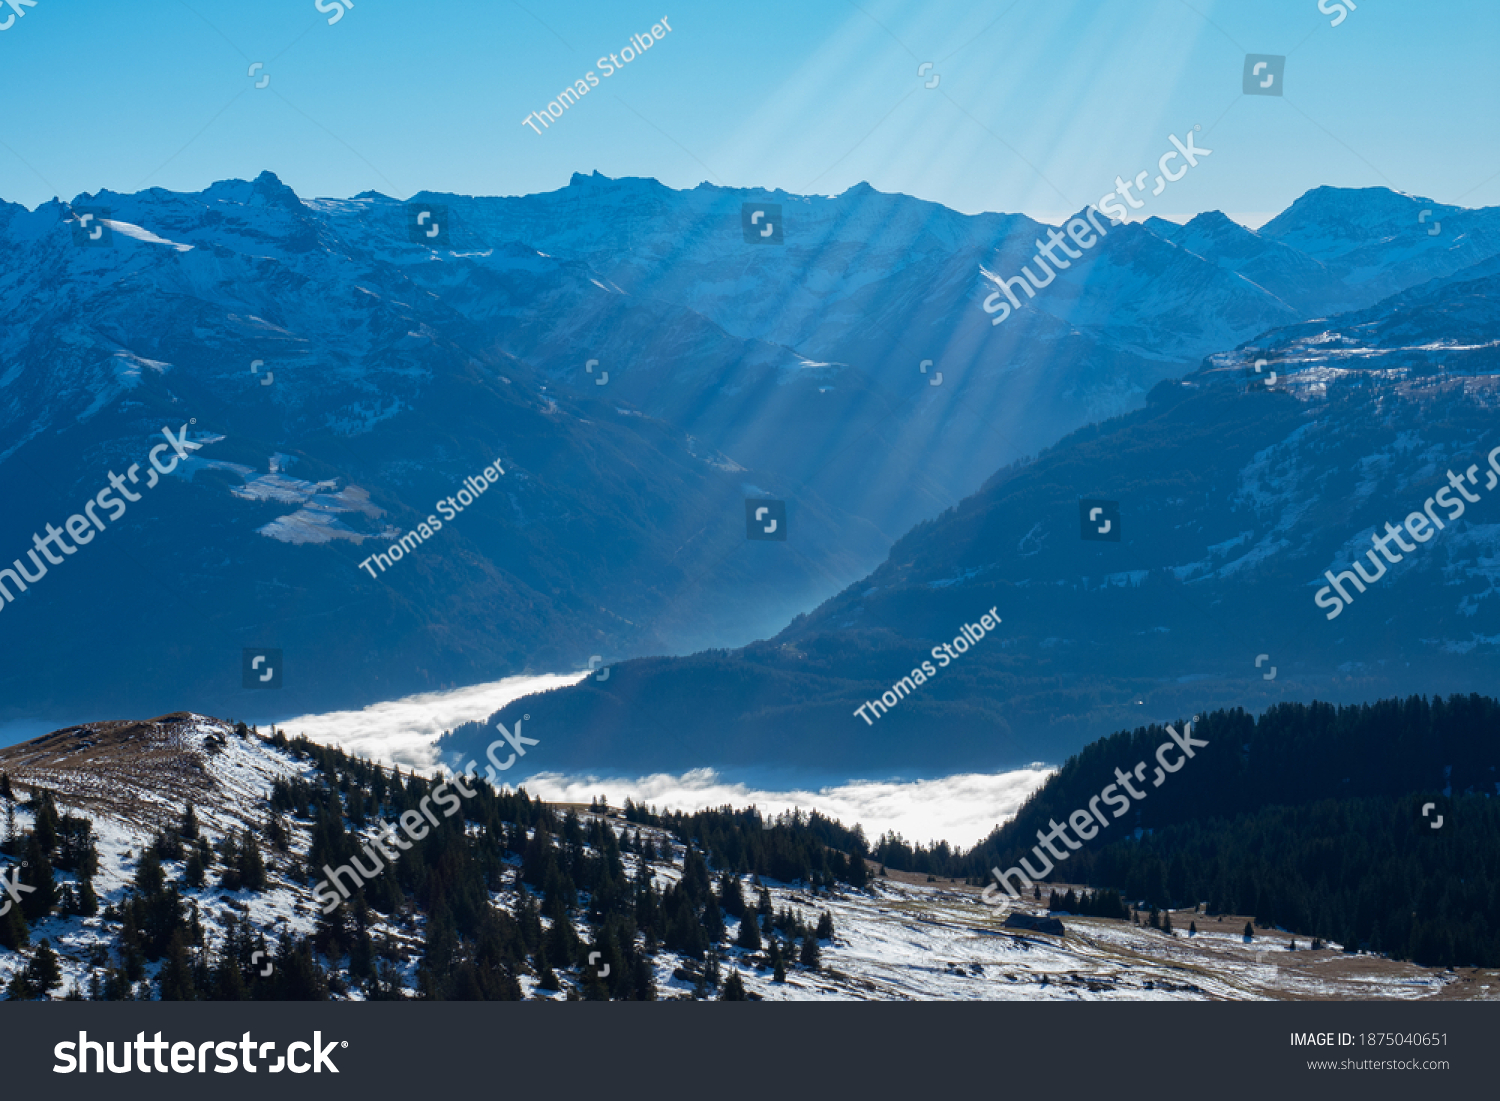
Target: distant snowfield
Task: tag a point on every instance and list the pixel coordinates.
(959, 809)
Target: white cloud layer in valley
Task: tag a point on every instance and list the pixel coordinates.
(959, 809)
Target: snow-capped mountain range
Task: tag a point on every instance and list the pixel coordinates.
(343, 374)
(1240, 489)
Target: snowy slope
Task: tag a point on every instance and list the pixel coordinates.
(130, 779)
(902, 939)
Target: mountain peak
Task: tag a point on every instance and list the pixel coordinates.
(1346, 214)
(265, 190)
(1216, 228)
(1215, 221)
(268, 190)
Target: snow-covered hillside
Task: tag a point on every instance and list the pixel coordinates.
(901, 938)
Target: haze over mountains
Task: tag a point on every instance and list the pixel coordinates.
(1236, 496)
(739, 370)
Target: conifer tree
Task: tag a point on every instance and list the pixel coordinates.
(644, 979)
(562, 943)
(203, 977)
(116, 986)
(825, 926)
(538, 858)
(763, 904)
(713, 921)
(859, 872)
(276, 831)
(42, 973)
(810, 956)
(546, 977)
(731, 897)
(44, 824)
(749, 935)
(132, 957)
(251, 867)
(695, 879)
(14, 931)
(777, 963)
(39, 902)
(195, 927)
(734, 988)
(229, 857)
(594, 988)
(175, 980)
(1249, 930)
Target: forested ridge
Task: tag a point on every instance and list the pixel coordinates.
(1308, 818)
(504, 888)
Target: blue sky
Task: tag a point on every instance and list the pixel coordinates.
(1037, 106)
